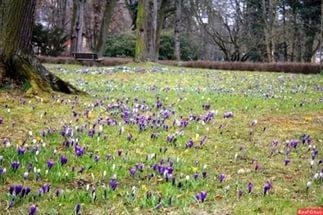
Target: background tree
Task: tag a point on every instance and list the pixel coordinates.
(17, 61)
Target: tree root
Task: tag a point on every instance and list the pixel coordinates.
(30, 70)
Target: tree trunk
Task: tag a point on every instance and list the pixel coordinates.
(17, 61)
(140, 50)
(103, 35)
(152, 30)
(160, 21)
(73, 27)
(177, 30)
(80, 25)
(146, 31)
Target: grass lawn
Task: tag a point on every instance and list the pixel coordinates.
(154, 139)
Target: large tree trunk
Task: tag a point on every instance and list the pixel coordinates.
(17, 61)
(140, 32)
(177, 29)
(80, 25)
(160, 22)
(73, 27)
(103, 35)
(146, 31)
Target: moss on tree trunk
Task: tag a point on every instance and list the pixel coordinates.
(17, 61)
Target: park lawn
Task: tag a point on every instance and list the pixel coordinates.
(141, 117)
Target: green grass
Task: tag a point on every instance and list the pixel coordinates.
(285, 106)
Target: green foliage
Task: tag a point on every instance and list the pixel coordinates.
(49, 41)
(124, 46)
(121, 46)
(188, 47)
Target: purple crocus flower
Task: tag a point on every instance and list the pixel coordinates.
(45, 188)
(63, 160)
(189, 143)
(293, 143)
(18, 189)
(79, 151)
(21, 150)
(50, 164)
(286, 161)
(140, 166)
(267, 187)
(113, 183)
(228, 115)
(78, 209)
(221, 177)
(2, 171)
(195, 176)
(200, 197)
(132, 171)
(15, 165)
(1, 120)
(33, 209)
(249, 187)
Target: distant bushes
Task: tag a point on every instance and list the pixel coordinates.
(121, 46)
(304, 68)
(124, 46)
(50, 41)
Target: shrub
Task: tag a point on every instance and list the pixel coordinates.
(49, 42)
(121, 46)
(124, 46)
(167, 44)
(303, 68)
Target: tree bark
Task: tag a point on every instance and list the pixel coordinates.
(80, 25)
(140, 49)
(73, 27)
(160, 21)
(17, 61)
(106, 21)
(177, 30)
(146, 33)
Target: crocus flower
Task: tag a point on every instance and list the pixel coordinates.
(21, 150)
(15, 165)
(200, 197)
(1, 120)
(132, 171)
(78, 209)
(140, 166)
(286, 161)
(113, 183)
(221, 177)
(2, 171)
(63, 159)
(96, 158)
(45, 188)
(190, 143)
(50, 164)
(33, 209)
(195, 176)
(267, 187)
(228, 115)
(18, 189)
(79, 151)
